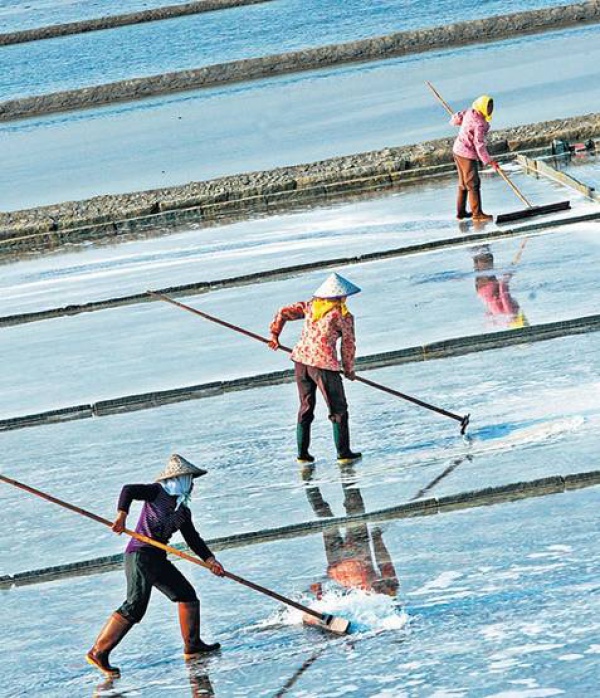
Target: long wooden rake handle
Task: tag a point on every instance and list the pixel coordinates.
(500, 171)
(167, 548)
(463, 419)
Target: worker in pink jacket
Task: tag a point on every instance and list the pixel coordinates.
(469, 149)
(316, 363)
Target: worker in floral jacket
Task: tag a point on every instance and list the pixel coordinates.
(316, 363)
(469, 149)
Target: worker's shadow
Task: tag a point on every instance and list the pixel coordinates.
(357, 558)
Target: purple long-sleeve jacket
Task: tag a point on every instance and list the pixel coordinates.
(471, 140)
(159, 520)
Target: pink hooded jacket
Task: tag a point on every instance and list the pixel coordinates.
(471, 140)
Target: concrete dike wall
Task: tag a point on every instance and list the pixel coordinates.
(106, 218)
(111, 21)
(377, 48)
(489, 496)
(457, 346)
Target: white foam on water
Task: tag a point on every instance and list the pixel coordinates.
(528, 693)
(443, 581)
(366, 611)
(525, 649)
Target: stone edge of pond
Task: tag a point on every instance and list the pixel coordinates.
(487, 496)
(457, 346)
(110, 218)
(458, 34)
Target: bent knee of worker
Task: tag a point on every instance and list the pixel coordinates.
(338, 417)
(185, 597)
(133, 612)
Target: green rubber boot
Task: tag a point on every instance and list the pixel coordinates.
(341, 437)
(303, 441)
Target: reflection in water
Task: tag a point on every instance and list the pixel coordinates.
(494, 289)
(106, 689)
(436, 480)
(359, 558)
(200, 684)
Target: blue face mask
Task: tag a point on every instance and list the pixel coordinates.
(180, 487)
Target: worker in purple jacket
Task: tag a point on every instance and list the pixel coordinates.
(165, 511)
(469, 148)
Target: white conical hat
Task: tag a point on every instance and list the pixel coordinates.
(335, 286)
(178, 465)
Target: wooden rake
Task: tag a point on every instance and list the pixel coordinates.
(325, 621)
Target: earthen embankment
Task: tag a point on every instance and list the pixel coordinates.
(265, 192)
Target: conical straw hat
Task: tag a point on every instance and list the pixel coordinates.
(335, 286)
(178, 465)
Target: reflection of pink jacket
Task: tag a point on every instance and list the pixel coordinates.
(317, 345)
(496, 296)
(471, 140)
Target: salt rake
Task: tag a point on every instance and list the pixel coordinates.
(325, 621)
(531, 210)
(463, 419)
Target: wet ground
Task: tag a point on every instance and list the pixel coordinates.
(499, 601)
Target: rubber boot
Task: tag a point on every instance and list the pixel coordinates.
(111, 634)
(341, 437)
(189, 620)
(461, 205)
(303, 441)
(477, 212)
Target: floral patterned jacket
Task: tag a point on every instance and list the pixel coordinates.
(317, 344)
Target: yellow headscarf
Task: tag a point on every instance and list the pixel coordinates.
(482, 105)
(321, 306)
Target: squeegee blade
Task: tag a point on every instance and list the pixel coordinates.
(533, 211)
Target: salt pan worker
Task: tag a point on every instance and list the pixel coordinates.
(316, 363)
(165, 510)
(469, 148)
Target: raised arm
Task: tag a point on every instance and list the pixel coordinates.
(296, 311)
(146, 493)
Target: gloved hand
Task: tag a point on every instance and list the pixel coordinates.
(274, 342)
(350, 375)
(494, 165)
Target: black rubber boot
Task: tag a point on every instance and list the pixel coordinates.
(111, 634)
(189, 620)
(461, 205)
(303, 441)
(341, 437)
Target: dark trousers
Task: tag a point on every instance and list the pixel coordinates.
(468, 173)
(150, 568)
(308, 379)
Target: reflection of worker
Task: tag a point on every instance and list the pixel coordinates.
(500, 305)
(469, 148)
(350, 561)
(316, 363)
